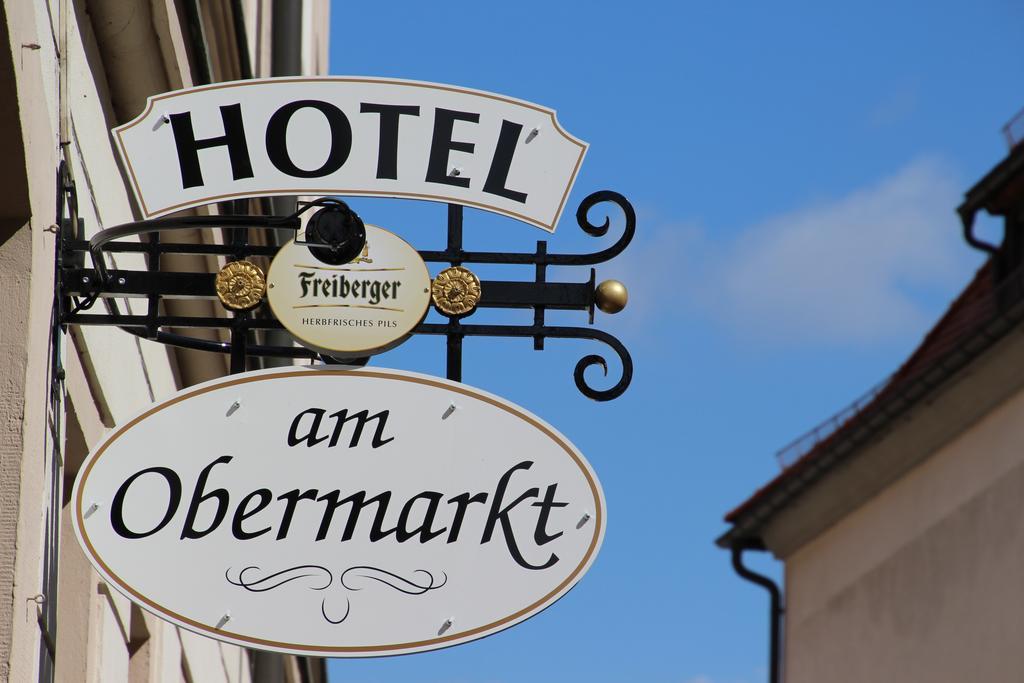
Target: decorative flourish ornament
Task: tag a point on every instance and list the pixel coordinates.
(240, 285)
(455, 291)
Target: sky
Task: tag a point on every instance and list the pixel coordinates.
(795, 168)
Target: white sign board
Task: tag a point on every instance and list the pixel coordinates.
(339, 512)
(350, 136)
(356, 309)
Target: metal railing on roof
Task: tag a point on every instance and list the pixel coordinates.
(805, 443)
(1013, 131)
(1009, 291)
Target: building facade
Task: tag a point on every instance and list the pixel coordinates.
(70, 70)
(898, 524)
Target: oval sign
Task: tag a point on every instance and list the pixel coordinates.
(339, 512)
(357, 309)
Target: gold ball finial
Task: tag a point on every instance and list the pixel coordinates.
(611, 296)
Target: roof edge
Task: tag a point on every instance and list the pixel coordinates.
(750, 518)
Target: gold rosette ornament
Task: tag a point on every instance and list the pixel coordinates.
(455, 291)
(240, 285)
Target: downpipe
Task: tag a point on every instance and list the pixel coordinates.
(776, 610)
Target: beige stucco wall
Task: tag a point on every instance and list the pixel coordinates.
(100, 635)
(923, 581)
(24, 312)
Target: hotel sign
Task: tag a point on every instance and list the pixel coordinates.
(339, 512)
(350, 136)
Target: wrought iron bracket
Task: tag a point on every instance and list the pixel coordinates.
(80, 287)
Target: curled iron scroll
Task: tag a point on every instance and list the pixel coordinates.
(590, 360)
(600, 230)
(579, 374)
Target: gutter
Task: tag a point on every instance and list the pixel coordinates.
(991, 193)
(285, 60)
(197, 44)
(775, 608)
(241, 39)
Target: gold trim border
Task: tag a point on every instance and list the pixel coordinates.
(397, 648)
(151, 101)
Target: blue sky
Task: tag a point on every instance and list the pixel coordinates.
(795, 168)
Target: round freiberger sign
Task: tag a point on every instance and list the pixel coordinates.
(339, 512)
(356, 309)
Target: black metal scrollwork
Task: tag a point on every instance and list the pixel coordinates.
(583, 218)
(538, 295)
(533, 295)
(591, 360)
(545, 331)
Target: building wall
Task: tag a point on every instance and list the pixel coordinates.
(118, 52)
(923, 581)
(28, 86)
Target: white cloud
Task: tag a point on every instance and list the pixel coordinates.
(858, 269)
(704, 679)
(655, 268)
(896, 108)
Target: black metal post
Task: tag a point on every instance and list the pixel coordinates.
(541, 277)
(238, 342)
(455, 233)
(454, 340)
(239, 331)
(153, 265)
(454, 354)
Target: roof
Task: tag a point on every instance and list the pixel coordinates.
(982, 314)
(974, 305)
